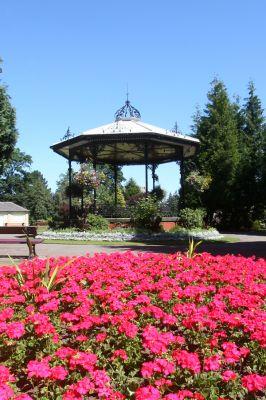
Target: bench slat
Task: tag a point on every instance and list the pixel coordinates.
(19, 240)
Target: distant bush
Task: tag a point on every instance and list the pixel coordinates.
(97, 222)
(191, 219)
(158, 193)
(258, 225)
(147, 214)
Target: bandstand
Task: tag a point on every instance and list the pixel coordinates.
(127, 141)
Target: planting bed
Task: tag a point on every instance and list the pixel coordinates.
(127, 326)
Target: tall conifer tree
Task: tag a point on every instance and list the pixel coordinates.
(252, 174)
(8, 132)
(219, 152)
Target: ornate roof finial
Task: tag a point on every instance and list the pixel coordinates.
(127, 92)
(67, 135)
(127, 111)
(175, 128)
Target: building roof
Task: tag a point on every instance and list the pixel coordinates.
(123, 142)
(8, 206)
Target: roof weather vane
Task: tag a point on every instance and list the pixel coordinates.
(127, 111)
(175, 128)
(67, 135)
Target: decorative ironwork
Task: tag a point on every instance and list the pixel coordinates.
(127, 111)
(67, 135)
(175, 128)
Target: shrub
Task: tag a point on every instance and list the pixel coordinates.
(131, 326)
(97, 222)
(258, 225)
(158, 193)
(190, 218)
(147, 214)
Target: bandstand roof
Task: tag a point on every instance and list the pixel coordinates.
(127, 141)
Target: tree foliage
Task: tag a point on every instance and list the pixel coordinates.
(229, 168)
(8, 131)
(251, 185)
(131, 188)
(25, 188)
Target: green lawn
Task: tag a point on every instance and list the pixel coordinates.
(93, 242)
(226, 239)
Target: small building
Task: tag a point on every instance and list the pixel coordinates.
(13, 215)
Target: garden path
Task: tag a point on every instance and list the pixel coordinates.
(245, 244)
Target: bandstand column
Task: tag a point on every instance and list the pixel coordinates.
(115, 179)
(146, 169)
(70, 191)
(182, 177)
(94, 192)
(153, 176)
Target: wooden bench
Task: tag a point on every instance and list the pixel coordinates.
(28, 237)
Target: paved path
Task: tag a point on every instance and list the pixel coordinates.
(246, 245)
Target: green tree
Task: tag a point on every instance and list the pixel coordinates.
(8, 132)
(172, 203)
(37, 196)
(218, 157)
(131, 188)
(252, 172)
(12, 179)
(28, 189)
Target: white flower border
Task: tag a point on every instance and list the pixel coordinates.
(114, 236)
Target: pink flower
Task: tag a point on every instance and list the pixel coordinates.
(15, 330)
(187, 360)
(38, 369)
(5, 375)
(212, 363)
(228, 375)
(119, 354)
(6, 393)
(81, 338)
(58, 373)
(147, 393)
(159, 365)
(254, 382)
(100, 337)
(157, 342)
(23, 397)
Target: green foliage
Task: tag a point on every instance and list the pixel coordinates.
(258, 225)
(8, 131)
(250, 190)
(219, 151)
(232, 156)
(158, 193)
(131, 188)
(191, 252)
(120, 198)
(172, 203)
(96, 222)
(199, 182)
(147, 214)
(12, 180)
(28, 189)
(190, 218)
(37, 197)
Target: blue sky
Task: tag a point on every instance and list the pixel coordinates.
(67, 63)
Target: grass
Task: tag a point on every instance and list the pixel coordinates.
(227, 239)
(93, 242)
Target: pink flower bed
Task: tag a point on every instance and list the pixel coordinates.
(125, 326)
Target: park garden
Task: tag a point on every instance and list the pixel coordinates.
(141, 326)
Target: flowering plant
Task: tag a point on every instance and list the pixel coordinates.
(199, 182)
(133, 326)
(89, 179)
